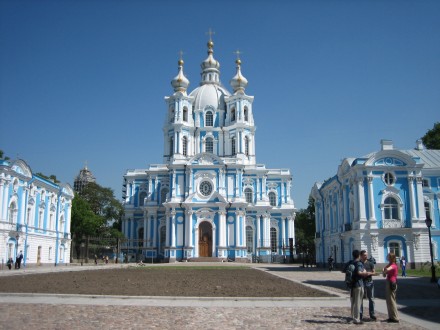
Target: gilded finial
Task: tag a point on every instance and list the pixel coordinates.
(180, 62)
(237, 52)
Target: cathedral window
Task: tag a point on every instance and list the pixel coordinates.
(246, 146)
(249, 239)
(246, 116)
(171, 115)
(142, 196)
(12, 212)
(171, 146)
(389, 179)
(394, 247)
(391, 210)
(185, 114)
(273, 240)
(428, 210)
(209, 145)
(233, 114)
(248, 195)
(163, 195)
(272, 199)
(209, 119)
(185, 146)
(233, 151)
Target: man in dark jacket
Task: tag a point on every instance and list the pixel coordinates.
(368, 283)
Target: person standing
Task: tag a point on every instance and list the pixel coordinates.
(357, 290)
(403, 266)
(390, 271)
(368, 284)
(330, 263)
(19, 259)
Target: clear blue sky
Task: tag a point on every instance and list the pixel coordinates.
(85, 80)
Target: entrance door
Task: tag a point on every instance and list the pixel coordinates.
(205, 239)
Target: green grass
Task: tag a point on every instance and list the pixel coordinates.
(425, 272)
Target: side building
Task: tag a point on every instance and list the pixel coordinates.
(34, 216)
(379, 203)
(209, 199)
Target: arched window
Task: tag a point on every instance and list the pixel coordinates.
(428, 210)
(233, 114)
(272, 199)
(246, 116)
(185, 114)
(171, 114)
(163, 195)
(273, 240)
(209, 119)
(246, 146)
(142, 196)
(171, 146)
(391, 211)
(249, 239)
(209, 145)
(185, 146)
(248, 195)
(12, 213)
(233, 151)
(394, 247)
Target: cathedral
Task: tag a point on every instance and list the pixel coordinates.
(209, 198)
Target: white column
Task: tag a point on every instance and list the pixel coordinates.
(258, 189)
(173, 228)
(422, 213)
(283, 230)
(264, 185)
(371, 199)
(266, 230)
(222, 228)
(237, 229)
(167, 222)
(145, 228)
(5, 200)
(188, 227)
(361, 199)
(411, 198)
(258, 231)
(154, 229)
(237, 184)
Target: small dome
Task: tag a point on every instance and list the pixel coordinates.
(238, 82)
(210, 67)
(180, 82)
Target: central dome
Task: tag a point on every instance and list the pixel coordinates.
(210, 95)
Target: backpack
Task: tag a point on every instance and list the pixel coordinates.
(349, 275)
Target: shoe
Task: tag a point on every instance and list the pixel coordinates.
(392, 321)
(374, 318)
(358, 322)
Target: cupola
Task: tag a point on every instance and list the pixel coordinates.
(180, 82)
(238, 82)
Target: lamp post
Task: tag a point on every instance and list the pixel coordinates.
(428, 222)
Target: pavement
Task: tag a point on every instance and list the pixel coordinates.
(418, 304)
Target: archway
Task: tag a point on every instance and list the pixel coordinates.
(205, 239)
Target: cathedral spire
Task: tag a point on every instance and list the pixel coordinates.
(238, 82)
(210, 66)
(180, 82)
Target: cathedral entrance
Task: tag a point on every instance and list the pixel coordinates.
(205, 239)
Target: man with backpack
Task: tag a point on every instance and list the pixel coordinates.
(356, 270)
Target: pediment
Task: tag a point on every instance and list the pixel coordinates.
(205, 159)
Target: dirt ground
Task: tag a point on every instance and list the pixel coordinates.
(161, 281)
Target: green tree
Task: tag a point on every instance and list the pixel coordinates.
(2, 155)
(96, 212)
(431, 139)
(305, 226)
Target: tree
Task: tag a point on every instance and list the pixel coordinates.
(96, 212)
(2, 155)
(431, 139)
(305, 226)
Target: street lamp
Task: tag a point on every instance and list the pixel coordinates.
(428, 222)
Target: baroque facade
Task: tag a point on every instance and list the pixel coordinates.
(379, 203)
(34, 216)
(209, 198)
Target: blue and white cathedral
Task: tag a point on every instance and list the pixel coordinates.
(209, 198)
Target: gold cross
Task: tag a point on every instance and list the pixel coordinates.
(210, 32)
(180, 55)
(237, 52)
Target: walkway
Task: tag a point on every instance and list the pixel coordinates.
(115, 312)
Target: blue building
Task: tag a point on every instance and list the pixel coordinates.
(379, 203)
(34, 216)
(209, 198)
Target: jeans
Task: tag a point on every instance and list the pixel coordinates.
(369, 292)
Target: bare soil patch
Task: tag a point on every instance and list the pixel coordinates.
(161, 281)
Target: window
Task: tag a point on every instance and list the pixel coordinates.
(209, 119)
(205, 188)
(163, 195)
(425, 183)
(50, 253)
(246, 146)
(171, 115)
(50, 221)
(233, 151)
(171, 146)
(209, 145)
(249, 239)
(389, 178)
(142, 196)
(248, 195)
(394, 247)
(141, 237)
(12, 212)
(391, 211)
(162, 238)
(428, 210)
(233, 114)
(62, 223)
(185, 146)
(185, 114)
(61, 254)
(272, 199)
(40, 219)
(246, 114)
(273, 240)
